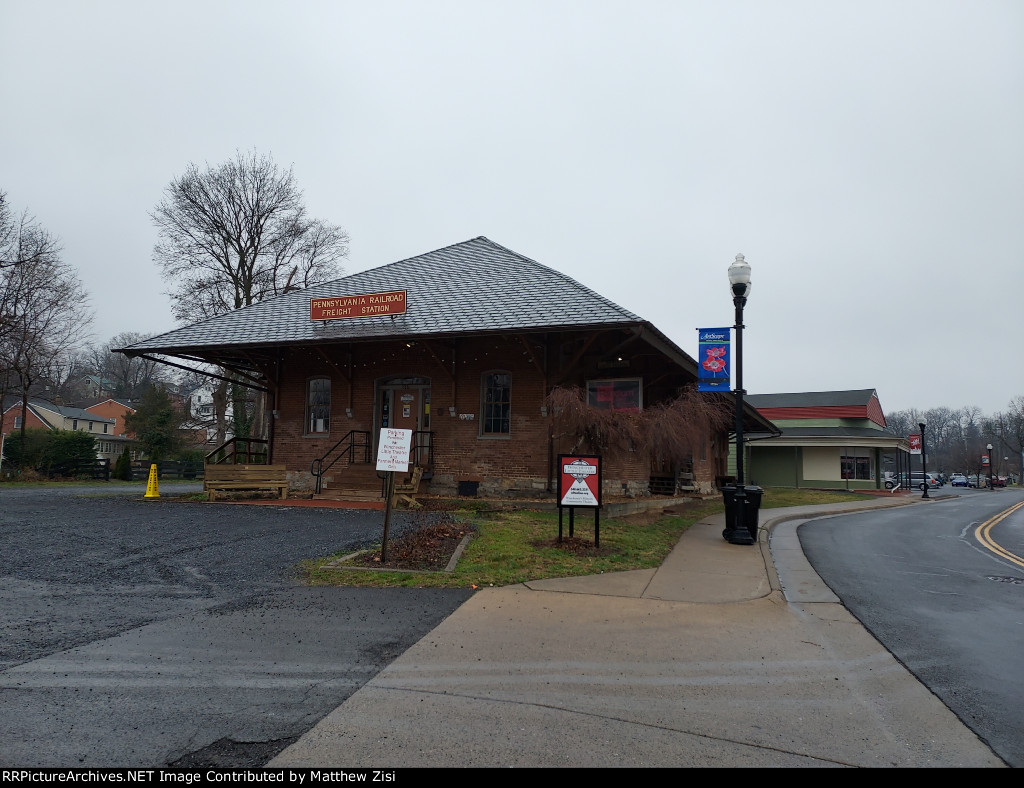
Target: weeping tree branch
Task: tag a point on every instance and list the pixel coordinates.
(670, 431)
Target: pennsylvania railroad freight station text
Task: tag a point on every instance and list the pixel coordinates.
(357, 306)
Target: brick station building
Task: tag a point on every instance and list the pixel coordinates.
(462, 345)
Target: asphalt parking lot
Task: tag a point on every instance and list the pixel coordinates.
(150, 633)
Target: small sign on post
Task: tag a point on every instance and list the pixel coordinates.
(393, 449)
(579, 484)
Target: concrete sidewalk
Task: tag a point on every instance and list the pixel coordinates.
(726, 655)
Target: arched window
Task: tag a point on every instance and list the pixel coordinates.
(318, 406)
(497, 403)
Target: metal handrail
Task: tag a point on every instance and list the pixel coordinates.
(353, 440)
(231, 458)
(418, 444)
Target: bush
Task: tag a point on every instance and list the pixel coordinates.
(65, 447)
(28, 454)
(43, 450)
(123, 466)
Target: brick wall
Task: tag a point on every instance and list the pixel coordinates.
(516, 465)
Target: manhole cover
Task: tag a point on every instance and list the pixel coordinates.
(1017, 581)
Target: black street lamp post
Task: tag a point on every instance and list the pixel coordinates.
(737, 532)
(991, 486)
(924, 470)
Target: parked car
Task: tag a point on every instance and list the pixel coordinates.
(921, 481)
(998, 481)
(977, 481)
(958, 480)
(924, 480)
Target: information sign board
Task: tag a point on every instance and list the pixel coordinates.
(393, 450)
(579, 480)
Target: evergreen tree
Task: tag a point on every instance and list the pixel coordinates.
(123, 466)
(156, 424)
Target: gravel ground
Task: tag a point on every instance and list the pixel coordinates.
(140, 632)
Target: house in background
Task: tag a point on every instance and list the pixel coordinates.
(829, 440)
(201, 415)
(98, 387)
(115, 409)
(42, 414)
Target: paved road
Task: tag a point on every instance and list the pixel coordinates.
(944, 604)
(155, 633)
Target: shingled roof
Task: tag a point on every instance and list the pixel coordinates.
(813, 399)
(471, 287)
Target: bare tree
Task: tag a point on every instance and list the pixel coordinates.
(130, 376)
(63, 378)
(1012, 433)
(23, 242)
(236, 234)
(903, 422)
(45, 321)
(22, 239)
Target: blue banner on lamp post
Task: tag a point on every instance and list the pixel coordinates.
(713, 359)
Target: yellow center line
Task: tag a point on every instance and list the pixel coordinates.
(982, 534)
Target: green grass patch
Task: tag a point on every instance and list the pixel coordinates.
(779, 497)
(517, 546)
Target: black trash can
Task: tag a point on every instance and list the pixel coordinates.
(729, 497)
(751, 508)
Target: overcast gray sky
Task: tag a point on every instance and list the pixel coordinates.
(867, 157)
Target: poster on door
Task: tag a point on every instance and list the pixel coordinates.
(579, 480)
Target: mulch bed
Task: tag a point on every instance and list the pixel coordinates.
(573, 544)
(426, 549)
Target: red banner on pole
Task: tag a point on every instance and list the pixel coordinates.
(915, 443)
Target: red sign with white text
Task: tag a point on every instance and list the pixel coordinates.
(915, 443)
(579, 480)
(391, 302)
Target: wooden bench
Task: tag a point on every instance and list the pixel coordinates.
(405, 490)
(226, 478)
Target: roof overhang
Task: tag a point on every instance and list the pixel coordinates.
(881, 442)
(253, 360)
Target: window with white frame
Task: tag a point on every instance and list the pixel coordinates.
(497, 404)
(318, 406)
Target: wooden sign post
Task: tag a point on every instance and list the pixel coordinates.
(392, 455)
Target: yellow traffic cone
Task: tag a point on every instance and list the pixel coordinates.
(152, 490)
